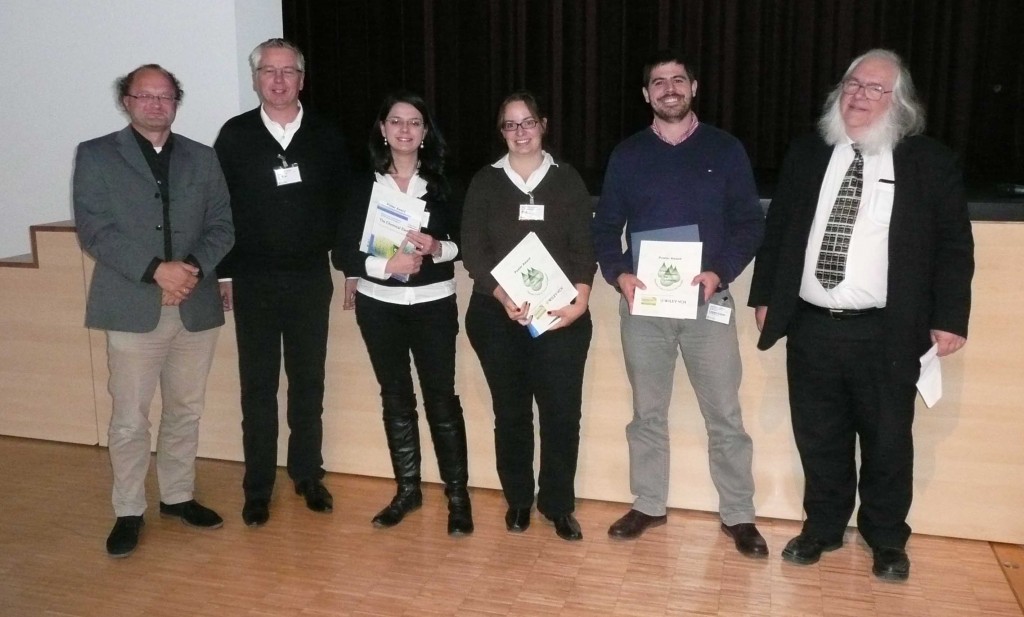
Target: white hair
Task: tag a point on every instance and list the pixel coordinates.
(904, 117)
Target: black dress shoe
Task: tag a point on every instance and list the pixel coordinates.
(517, 520)
(193, 514)
(748, 539)
(634, 523)
(566, 527)
(256, 512)
(124, 537)
(408, 499)
(806, 549)
(891, 564)
(318, 498)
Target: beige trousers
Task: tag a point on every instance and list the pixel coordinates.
(179, 361)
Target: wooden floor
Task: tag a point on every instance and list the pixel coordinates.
(55, 515)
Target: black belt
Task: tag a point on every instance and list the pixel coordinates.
(838, 314)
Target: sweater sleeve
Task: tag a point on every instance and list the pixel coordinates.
(609, 219)
(743, 216)
(581, 244)
(478, 255)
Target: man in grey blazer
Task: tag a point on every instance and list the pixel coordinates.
(152, 209)
(866, 263)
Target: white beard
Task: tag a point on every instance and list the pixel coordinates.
(882, 135)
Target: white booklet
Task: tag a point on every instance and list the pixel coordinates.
(529, 274)
(929, 382)
(667, 268)
(389, 215)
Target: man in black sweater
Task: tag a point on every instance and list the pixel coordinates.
(287, 171)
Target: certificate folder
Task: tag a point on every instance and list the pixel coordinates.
(529, 274)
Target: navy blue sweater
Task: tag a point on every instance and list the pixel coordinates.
(704, 181)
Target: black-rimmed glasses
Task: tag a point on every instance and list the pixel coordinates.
(508, 126)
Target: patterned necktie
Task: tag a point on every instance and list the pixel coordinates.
(831, 267)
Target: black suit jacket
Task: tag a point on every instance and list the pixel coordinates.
(931, 248)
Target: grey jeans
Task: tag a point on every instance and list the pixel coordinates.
(711, 355)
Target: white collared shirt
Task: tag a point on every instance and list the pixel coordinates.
(535, 178)
(375, 266)
(283, 134)
(867, 262)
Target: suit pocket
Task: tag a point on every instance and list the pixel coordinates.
(880, 207)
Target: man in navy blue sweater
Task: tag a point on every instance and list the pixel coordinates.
(674, 173)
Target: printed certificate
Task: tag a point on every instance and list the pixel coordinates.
(667, 268)
(529, 274)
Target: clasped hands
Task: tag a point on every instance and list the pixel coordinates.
(408, 262)
(176, 279)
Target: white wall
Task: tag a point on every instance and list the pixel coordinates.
(60, 60)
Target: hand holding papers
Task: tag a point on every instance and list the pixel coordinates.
(389, 215)
(529, 274)
(667, 268)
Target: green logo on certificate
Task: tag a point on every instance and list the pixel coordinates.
(668, 277)
(534, 281)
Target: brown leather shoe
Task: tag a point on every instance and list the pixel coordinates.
(634, 524)
(748, 539)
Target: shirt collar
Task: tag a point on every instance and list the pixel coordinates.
(693, 127)
(535, 178)
(417, 185)
(283, 134)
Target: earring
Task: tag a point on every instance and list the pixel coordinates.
(385, 141)
(421, 145)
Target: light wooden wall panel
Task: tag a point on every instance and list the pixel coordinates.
(968, 456)
(45, 367)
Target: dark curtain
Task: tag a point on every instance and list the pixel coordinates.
(764, 68)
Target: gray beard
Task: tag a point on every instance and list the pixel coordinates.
(880, 136)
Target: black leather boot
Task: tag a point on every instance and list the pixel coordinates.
(402, 431)
(448, 430)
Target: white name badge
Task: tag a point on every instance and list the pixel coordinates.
(531, 212)
(719, 313)
(287, 175)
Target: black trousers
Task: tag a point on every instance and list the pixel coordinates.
(520, 369)
(282, 312)
(841, 388)
(427, 331)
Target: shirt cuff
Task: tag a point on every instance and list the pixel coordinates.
(449, 251)
(147, 276)
(375, 267)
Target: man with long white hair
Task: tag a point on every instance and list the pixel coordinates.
(867, 262)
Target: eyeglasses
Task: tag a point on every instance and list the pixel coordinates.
(508, 126)
(872, 92)
(154, 98)
(288, 73)
(413, 123)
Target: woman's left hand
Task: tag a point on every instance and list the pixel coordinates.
(425, 244)
(571, 312)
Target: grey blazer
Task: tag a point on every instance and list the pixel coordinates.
(119, 218)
